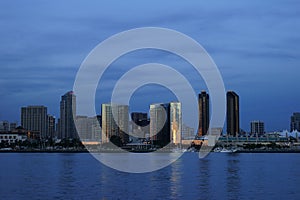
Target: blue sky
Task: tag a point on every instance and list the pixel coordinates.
(255, 44)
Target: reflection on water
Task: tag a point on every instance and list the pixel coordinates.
(218, 176)
(233, 177)
(176, 180)
(204, 178)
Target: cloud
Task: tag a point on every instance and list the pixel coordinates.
(252, 42)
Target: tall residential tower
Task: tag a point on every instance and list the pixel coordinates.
(68, 116)
(233, 114)
(203, 105)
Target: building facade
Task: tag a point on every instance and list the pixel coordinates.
(88, 128)
(233, 113)
(203, 105)
(295, 122)
(34, 119)
(165, 123)
(115, 120)
(51, 126)
(67, 116)
(257, 127)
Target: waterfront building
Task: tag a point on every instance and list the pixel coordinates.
(257, 127)
(88, 128)
(115, 122)
(165, 123)
(12, 137)
(50, 126)
(233, 113)
(67, 116)
(295, 122)
(34, 119)
(203, 105)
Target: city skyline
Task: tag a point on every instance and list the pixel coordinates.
(31, 119)
(149, 99)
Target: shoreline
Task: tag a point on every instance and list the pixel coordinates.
(107, 151)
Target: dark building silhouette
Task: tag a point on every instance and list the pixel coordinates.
(67, 116)
(139, 124)
(99, 118)
(295, 122)
(233, 113)
(203, 105)
(141, 119)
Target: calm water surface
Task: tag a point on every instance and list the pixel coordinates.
(218, 176)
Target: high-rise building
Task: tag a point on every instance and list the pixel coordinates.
(50, 126)
(257, 127)
(295, 122)
(34, 119)
(115, 122)
(203, 103)
(165, 123)
(159, 124)
(67, 116)
(233, 113)
(175, 122)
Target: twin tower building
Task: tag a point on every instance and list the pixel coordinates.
(232, 116)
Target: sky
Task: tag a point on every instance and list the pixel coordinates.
(255, 45)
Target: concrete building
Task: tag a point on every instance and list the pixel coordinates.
(166, 123)
(88, 128)
(115, 119)
(67, 116)
(34, 119)
(257, 127)
(51, 126)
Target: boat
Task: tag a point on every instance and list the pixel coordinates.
(224, 150)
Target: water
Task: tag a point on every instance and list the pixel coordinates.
(218, 176)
